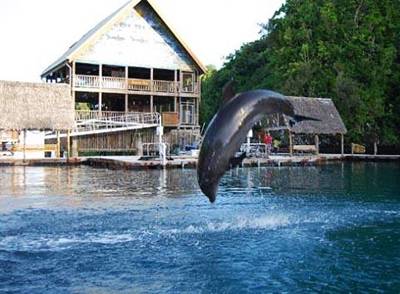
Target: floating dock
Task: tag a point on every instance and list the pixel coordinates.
(41, 162)
(135, 163)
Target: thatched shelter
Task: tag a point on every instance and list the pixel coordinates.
(35, 106)
(328, 120)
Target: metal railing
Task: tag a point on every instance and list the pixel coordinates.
(94, 120)
(255, 149)
(134, 85)
(95, 114)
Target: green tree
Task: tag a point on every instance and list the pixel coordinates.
(347, 50)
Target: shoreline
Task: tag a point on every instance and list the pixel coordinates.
(133, 162)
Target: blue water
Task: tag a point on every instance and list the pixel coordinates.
(334, 228)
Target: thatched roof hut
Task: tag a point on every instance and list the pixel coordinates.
(329, 120)
(35, 106)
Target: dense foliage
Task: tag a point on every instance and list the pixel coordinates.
(347, 50)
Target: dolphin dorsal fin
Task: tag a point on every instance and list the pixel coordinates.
(228, 92)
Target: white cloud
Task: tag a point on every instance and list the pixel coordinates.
(35, 33)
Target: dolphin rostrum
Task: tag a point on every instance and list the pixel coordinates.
(228, 128)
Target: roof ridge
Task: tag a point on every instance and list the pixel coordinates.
(85, 37)
(74, 48)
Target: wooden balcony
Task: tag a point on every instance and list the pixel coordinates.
(134, 85)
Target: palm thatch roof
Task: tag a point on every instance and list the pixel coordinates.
(35, 106)
(323, 109)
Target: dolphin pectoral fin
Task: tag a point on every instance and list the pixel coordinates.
(299, 118)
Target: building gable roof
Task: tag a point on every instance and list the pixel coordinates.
(102, 27)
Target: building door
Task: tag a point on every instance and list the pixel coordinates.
(187, 113)
(187, 82)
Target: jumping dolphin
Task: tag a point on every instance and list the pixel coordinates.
(228, 128)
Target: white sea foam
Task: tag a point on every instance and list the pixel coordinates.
(144, 237)
(30, 242)
(33, 242)
(269, 222)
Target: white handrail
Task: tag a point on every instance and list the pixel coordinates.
(141, 85)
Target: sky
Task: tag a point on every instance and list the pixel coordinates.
(33, 34)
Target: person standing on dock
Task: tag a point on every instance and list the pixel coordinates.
(267, 140)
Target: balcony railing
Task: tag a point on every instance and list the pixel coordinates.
(139, 85)
(134, 85)
(81, 115)
(165, 86)
(83, 81)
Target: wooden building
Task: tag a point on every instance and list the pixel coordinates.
(27, 111)
(133, 62)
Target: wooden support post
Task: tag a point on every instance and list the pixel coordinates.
(317, 144)
(58, 145)
(175, 81)
(72, 81)
(290, 143)
(74, 149)
(100, 87)
(151, 103)
(180, 85)
(126, 77)
(375, 148)
(24, 146)
(69, 75)
(179, 110)
(196, 115)
(100, 101)
(126, 103)
(151, 79)
(68, 144)
(342, 143)
(175, 103)
(73, 72)
(101, 75)
(73, 97)
(199, 88)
